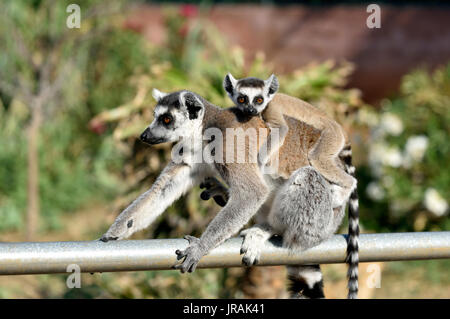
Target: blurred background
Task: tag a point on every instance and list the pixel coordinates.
(74, 100)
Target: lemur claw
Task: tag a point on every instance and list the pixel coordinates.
(191, 255)
(106, 238)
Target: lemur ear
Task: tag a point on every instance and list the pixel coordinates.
(192, 103)
(158, 95)
(229, 82)
(272, 84)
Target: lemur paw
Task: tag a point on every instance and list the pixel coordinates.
(191, 255)
(105, 238)
(252, 245)
(214, 189)
(121, 229)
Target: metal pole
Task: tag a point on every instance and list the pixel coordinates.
(156, 254)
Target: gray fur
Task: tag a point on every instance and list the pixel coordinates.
(302, 211)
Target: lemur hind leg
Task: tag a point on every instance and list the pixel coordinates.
(324, 157)
(302, 213)
(254, 237)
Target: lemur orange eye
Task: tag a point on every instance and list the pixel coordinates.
(166, 119)
(241, 100)
(259, 100)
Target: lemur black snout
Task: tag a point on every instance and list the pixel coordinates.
(146, 136)
(251, 110)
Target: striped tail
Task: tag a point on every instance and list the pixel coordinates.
(353, 228)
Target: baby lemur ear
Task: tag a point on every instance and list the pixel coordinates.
(229, 83)
(272, 84)
(192, 103)
(158, 95)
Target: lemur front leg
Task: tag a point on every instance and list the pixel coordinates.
(173, 182)
(247, 194)
(254, 237)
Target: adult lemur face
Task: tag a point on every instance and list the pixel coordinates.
(177, 115)
(251, 95)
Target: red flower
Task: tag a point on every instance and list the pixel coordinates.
(97, 126)
(188, 10)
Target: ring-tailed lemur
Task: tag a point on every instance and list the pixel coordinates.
(258, 97)
(183, 116)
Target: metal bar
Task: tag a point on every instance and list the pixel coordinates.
(157, 254)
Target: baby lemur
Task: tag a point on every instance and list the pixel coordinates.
(258, 97)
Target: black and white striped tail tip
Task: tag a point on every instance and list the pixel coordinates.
(352, 295)
(352, 282)
(353, 245)
(353, 230)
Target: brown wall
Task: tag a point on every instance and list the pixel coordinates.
(293, 36)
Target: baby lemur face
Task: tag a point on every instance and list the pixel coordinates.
(177, 115)
(251, 95)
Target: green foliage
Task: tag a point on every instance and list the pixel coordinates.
(76, 166)
(12, 163)
(69, 174)
(408, 155)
